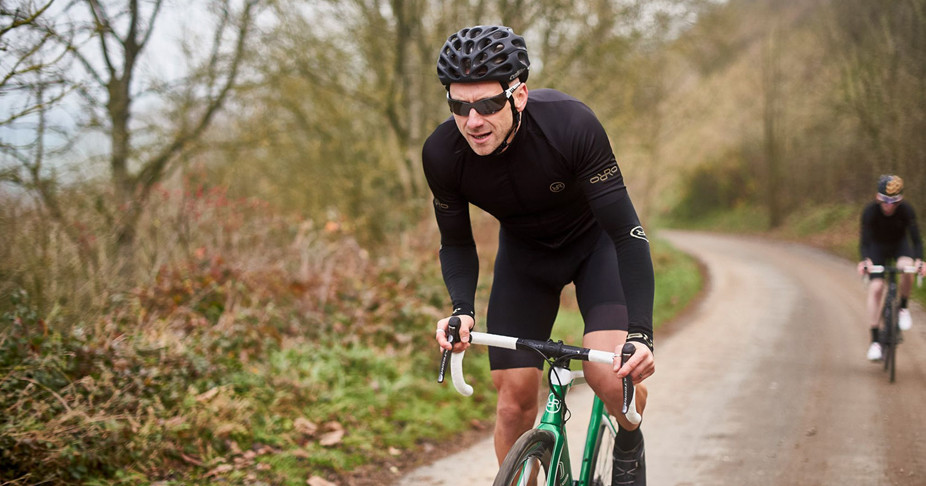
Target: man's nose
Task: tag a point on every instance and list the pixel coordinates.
(474, 118)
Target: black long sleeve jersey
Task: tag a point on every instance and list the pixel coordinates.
(880, 232)
(556, 181)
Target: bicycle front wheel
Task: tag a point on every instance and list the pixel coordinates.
(603, 457)
(529, 458)
(889, 341)
(891, 356)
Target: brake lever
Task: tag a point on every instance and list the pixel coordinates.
(626, 352)
(452, 337)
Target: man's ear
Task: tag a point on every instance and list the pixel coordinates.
(520, 97)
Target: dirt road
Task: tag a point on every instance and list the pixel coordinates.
(765, 382)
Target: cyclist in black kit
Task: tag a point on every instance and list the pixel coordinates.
(889, 232)
(545, 169)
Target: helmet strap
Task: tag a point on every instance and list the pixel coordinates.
(515, 122)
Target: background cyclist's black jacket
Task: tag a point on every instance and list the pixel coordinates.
(557, 181)
(889, 231)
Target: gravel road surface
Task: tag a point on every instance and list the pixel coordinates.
(763, 382)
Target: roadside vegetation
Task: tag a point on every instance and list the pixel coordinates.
(304, 356)
(227, 271)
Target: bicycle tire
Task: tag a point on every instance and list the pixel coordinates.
(889, 339)
(892, 348)
(892, 359)
(885, 347)
(534, 448)
(884, 334)
(603, 456)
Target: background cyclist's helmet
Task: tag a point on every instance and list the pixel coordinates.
(483, 53)
(890, 188)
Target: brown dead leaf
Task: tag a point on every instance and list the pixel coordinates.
(207, 395)
(333, 435)
(220, 469)
(331, 438)
(301, 453)
(319, 481)
(191, 459)
(264, 450)
(233, 447)
(305, 426)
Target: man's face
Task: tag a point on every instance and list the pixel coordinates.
(888, 208)
(888, 204)
(485, 133)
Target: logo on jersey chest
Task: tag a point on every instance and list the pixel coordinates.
(557, 186)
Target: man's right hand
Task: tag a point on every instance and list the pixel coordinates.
(863, 266)
(466, 325)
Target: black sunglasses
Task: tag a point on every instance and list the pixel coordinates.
(485, 106)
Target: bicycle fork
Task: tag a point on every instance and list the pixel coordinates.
(554, 420)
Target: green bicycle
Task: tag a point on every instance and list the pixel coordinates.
(543, 452)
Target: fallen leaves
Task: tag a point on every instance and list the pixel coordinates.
(331, 432)
(333, 436)
(319, 481)
(305, 426)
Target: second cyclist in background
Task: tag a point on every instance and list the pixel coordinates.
(888, 232)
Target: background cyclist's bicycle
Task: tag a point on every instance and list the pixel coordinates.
(889, 334)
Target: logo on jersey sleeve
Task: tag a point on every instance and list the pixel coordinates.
(440, 205)
(637, 232)
(605, 174)
(557, 186)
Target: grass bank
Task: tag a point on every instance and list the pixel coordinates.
(299, 359)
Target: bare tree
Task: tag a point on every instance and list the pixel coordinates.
(772, 106)
(29, 83)
(107, 42)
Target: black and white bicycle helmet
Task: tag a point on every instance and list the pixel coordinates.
(483, 53)
(890, 185)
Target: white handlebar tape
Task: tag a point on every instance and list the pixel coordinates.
(880, 269)
(596, 356)
(456, 373)
(493, 340)
(632, 414)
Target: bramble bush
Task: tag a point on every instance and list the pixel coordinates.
(268, 356)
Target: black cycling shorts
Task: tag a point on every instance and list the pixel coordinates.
(882, 253)
(529, 281)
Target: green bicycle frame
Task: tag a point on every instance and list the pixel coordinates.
(554, 421)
